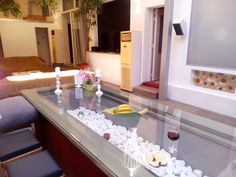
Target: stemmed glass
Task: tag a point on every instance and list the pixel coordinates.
(173, 135)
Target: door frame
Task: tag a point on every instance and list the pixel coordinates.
(49, 59)
(166, 46)
(65, 38)
(155, 43)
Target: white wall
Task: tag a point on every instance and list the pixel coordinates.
(109, 65)
(18, 37)
(139, 18)
(180, 87)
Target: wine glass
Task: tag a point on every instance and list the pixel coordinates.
(173, 135)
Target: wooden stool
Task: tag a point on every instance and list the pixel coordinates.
(40, 164)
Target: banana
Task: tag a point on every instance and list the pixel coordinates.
(123, 105)
(125, 108)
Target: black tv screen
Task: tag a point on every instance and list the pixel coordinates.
(115, 18)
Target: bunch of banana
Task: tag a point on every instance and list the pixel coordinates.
(123, 108)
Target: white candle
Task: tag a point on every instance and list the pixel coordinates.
(57, 70)
(98, 73)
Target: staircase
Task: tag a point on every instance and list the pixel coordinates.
(147, 91)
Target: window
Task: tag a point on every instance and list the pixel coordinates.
(212, 37)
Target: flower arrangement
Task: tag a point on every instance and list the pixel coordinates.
(84, 66)
(88, 83)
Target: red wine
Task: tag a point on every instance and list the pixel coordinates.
(173, 135)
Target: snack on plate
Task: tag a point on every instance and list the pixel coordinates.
(156, 159)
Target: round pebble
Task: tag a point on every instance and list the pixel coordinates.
(132, 145)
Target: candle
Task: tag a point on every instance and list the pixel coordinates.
(98, 73)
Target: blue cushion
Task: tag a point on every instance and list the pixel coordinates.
(17, 143)
(16, 113)
(37, 165)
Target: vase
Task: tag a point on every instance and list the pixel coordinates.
(88, 87)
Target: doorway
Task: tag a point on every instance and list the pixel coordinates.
(74, 37)
(151, 86)
(43, 44)
(1, 48)
(157, 31)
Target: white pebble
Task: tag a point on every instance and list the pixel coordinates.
(183, 175)
(189, 168)
(169, 170)
(121, 137)
(198, 173)
(160, 172)
(156, 148)
(180, 163)
(140, 139)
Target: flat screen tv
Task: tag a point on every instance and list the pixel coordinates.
(115, 18)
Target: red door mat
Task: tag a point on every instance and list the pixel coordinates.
(154, 84)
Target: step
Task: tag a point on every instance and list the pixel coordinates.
(146, 91)
(153, 84)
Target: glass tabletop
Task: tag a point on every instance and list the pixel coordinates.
(133, 144)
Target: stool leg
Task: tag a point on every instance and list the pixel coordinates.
(33, 129)
(5, 173)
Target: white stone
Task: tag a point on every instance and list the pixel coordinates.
(140, 139)
(160, 172)
(120, 136)
(177, 170)
(198, 173)
(189, 168)
(179, 163)
(171, 175)
(169, 170)
(173, 159)
(156, 147)
(183, 175)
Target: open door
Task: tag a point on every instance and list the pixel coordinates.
(158, 17)
(43, 44)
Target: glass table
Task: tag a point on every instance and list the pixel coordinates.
(205, 147)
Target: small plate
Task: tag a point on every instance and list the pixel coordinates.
(149, 165)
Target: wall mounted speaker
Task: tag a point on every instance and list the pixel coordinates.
(179, 27)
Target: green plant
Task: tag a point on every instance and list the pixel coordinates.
(90, 8)
(52, 5)
(11, 6)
